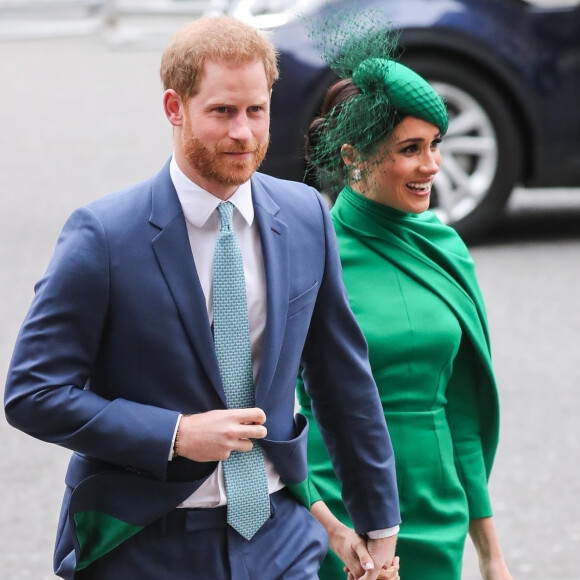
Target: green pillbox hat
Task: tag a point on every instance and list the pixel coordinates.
(404, 89)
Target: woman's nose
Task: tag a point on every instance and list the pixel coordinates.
(431, 162)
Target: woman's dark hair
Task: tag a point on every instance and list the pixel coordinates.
(337, 94)
(329, 164)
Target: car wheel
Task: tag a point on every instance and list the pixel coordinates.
(481, 152)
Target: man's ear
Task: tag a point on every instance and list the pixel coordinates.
(173, 107)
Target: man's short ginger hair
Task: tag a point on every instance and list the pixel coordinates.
(213, 39)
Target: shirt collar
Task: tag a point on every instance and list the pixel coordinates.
(198, 204)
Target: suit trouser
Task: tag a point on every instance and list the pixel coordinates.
(197, 543)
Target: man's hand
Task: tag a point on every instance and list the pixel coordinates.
(382, 551)
(212, 436)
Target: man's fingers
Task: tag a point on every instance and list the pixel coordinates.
(252, 432)
(390, 572)
(213, 435)
(251, 416)
(243, 445)
(252, 423)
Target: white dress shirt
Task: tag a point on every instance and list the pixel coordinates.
(202, 220)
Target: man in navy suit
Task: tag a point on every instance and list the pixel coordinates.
(116, 359)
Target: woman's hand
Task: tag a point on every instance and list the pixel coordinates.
(351, 549)
(486, 542)
(344, 541)
(390, 573)
(495, 569)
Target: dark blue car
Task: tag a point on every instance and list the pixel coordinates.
(508, 70)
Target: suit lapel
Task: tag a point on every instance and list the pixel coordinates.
(274, 239)
(173, 252)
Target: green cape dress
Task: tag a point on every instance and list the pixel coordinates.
(412, 286)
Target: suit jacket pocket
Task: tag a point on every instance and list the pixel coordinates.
(289, 457)
(303, 300)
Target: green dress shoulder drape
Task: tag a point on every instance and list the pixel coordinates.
(412, 287)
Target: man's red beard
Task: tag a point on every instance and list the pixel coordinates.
(214, 163)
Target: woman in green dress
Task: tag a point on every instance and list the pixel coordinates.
(412, 287)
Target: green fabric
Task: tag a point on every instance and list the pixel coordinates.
(412, 287)
(405, 90)
(390, 91)
(98, 534)
(305, 492)
(361, 45)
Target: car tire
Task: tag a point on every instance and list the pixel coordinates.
(482, 155)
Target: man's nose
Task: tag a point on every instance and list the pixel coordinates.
(240, 128)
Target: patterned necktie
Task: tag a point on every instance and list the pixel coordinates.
(244, 472)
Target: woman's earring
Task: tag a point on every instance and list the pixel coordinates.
(356, 175)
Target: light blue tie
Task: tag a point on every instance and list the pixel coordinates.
(245, 473)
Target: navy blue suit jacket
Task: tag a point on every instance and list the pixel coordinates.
(117, 343)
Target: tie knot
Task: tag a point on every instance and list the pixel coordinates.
(226, 211)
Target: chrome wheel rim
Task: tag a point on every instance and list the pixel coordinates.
(469, 156)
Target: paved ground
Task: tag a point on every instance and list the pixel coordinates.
(80, 119)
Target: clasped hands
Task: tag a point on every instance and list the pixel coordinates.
(213, 435)
(363, 557)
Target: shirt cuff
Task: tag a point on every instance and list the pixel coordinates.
(386, 533)
(174, 436)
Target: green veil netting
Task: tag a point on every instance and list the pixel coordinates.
(361, 45)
